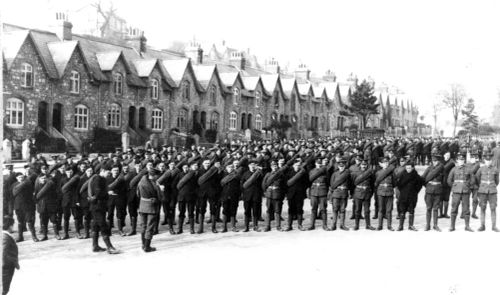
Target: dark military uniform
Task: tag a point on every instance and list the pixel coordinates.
(149, 194)
(69, 190)
(384, 185)
(208, 183)
(433, 179)
(132, 198)
(339, 192)
(47, 204)
(24, 206)
(230, 196)
(445, 197)
(187, 186)
(317, 194)
(297, 183)
(117, 199)
(273, 186)
(409, 185)
(362, 181)
(251, 196)
(83, 204)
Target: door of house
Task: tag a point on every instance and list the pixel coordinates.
(57, 117)
(42, 115)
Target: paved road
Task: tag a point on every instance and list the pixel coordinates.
(282, 262)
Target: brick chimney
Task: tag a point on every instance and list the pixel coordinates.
(238, 59)
(272, 66)
(302, 72)
(62, 27)
(194, 52)
(135, 38)
(330, 76)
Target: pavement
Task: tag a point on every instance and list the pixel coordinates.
(296, 262)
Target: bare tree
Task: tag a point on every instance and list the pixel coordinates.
(436, 108)
(454, 99)
(107, 15)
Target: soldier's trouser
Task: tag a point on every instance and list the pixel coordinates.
(86, 215)
(252, 207)
(274, 206)
(484, 199)
(68, 211)
(397, 195)
(339, 205)
(112, 200)
(190, 206)
(148, 223)
(99, 223)
(214, 204)
(46, 216)
(201, 205)
(295, 206)
(445, 196)
(385, 204)
(475, 201)
(455, 203)
(230, 207)
(432, 205)
(318, 203)
(24, 217)
(133, 205)
(360, 204)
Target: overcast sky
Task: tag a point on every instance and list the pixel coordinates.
(418, 46)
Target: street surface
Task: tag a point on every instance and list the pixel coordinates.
(296, 262)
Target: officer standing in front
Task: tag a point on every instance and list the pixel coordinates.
(487, 178)
(460, 181)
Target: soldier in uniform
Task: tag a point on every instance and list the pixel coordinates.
(460, 181)
(46, 199)
(117, 198)
(230, 194)
(384, 186)
(252, 194)
(82, 203)
(273, 187)
(69, 189)
(397, 173)
(208, 183)
(8, 180)
(97, 197)
(409, 184)
(362, 181)
(297, 183)
(318, 193)
(24, 206)
(487, 179)
(339, 192)
(132, 199)
(443, 205)
(187, 186)
(149, 194)
(474, 165)
(433, 180)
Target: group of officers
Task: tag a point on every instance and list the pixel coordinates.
(192, 181)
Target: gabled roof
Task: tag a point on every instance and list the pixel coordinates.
(270, 81)
(319, 91)
(305, 88)
(107, 60)
(288, 85)
(229, 78)
(61, 54)
(250, 82)
(145, 67)
(345, 93)
(204, 74)
(11, 44)
(177, 68)
(331, 89)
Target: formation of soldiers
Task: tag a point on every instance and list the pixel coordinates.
(188, 182)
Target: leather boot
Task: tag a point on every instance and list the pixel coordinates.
(435, 222)
(474, 209)
(109, 246)
(268, 223)
(31, 227)
(453, 221)
(44, 233)
(20, 236)
(312, 220)
(494, 221)
(482, 217)
(342, 222)
(120, 228)
(95, 243)
(428, 220)
(256, 224)
(180, 225)
(191, 225)
(78, 229)
(165, 220)
(133, 224)
(445, 210)
(86, 226)
(411, 219)
(148, 247)
(467, 224)
(224, 224)
(234, 229)
(201, 219)
(300, 219)
(143, 240)
(324, 219)
(277, 217)
(401, 222)
(214, 224)
(289, 223)
(157, 225)
(389, 222)
(356, 223)
(335, 218)
(171, 226)
(247, 224)
(56, 231)
(367, 222)
(66, 229)
(380, 222)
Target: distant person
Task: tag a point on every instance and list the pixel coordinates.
(10, 260)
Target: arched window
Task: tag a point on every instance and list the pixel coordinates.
(81, 117)
(243, 121)
(233, 119)
(114, 116)
(258, 98)
(186, 87)
(157, 119)
(15, 112)
(154, 86)
(118, 84)
(213, 95)
(26, 75)
(236, 95)
(74, 82)
(182, 118)
(258, 122)
(292, 102)
(214, 121)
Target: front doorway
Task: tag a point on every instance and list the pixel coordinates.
(131, 117)
(42, 115)
(57, 115)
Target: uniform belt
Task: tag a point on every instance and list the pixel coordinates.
(318, 184)
(434, 182)
(342, 187)
(386, 184)
(487, 182)
(460, 181)
(273, 187)
(147, 200)
(362, 186)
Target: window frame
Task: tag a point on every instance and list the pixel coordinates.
(157, 119)
(186, 90)
(25, 73)
(19, 110)
(258, 122)
(213, 95)
(154, 89)
(236, 95)
(81, 118)
(118, 84)
(182, 119)
(114, 115)
(258, 98)
(233, 121)
(74, 82)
